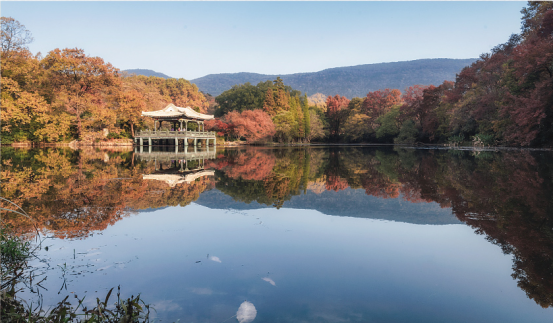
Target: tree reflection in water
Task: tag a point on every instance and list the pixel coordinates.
(504, 195)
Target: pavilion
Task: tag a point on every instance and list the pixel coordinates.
(176, 116)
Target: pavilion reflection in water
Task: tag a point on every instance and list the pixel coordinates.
(176, 167)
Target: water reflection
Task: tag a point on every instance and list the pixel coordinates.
(246, 312)
(269, 280)
(504, 195)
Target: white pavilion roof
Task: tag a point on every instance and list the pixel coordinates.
(174, 179)
(172, 111)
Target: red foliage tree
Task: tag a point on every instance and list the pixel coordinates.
(379, 102)
(412, 101)
(427, 111)
(250, 165)
(335, 183)
(336, 112)
(254, 125)
(217, 125)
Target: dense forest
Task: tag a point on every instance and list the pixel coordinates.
(69, 95)
(503, 98)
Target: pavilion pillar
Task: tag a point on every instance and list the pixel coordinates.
(185, 142)
(180, 124)
(186, 125)
(150, 141)
(141, 141)
(155, 125)
(195, 143)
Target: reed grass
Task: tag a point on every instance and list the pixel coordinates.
(16, 274)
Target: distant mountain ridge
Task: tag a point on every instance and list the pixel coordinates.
(350, 81)
(145, 72)
(349, 202)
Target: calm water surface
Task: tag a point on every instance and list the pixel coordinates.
(306, 235)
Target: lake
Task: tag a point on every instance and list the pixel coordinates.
(304, 234)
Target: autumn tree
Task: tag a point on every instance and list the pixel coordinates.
(82, 85)
(254, 125)
(411, 107)
(269, 105)
(530, 98)
(357, 125)
(336, 113)
(183, 93)
(434, 119)
(379, 102)
(219, 126)
(316, 127)
(131, 103)
(318, 100)
(27, 114)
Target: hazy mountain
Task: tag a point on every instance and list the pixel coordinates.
(146, 73)
(348, 81)
(349, 202)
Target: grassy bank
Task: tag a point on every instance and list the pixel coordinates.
(17, 275)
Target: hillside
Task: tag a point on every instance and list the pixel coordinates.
(351, 81)
(145, 73)
(349, 202)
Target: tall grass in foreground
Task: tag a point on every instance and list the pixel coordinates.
(16, 274)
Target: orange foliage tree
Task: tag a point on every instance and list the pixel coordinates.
(81, 85)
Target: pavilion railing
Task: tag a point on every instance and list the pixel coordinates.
(168, 133)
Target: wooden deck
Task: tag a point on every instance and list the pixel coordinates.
(188, 154)
(175, 138)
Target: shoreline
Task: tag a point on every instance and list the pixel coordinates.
(124, 143)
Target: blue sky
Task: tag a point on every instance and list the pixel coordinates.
(193, 39)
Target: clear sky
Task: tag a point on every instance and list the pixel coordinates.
(193, 39)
